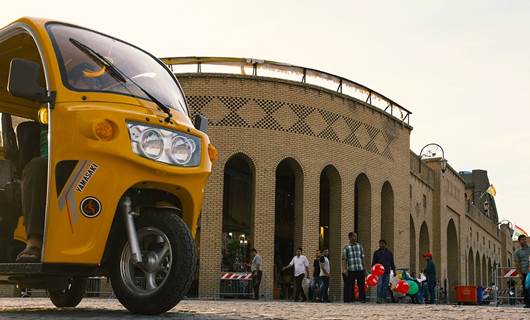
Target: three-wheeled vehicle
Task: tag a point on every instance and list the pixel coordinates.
(126, 167)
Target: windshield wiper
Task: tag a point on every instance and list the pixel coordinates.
(118, 74)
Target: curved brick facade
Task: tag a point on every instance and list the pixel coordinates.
(269, 120)
(361, 157)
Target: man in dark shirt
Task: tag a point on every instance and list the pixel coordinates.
(315, 281)
(430, 274)
(522, 262)
(384, 257)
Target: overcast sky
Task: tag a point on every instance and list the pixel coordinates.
(461, 67)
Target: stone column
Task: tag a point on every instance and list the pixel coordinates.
(211, 224)
(264, 216)
(311, 214)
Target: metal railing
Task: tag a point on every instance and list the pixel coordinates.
(509, 290)
(272, 69)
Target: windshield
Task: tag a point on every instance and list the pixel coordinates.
(82, 71)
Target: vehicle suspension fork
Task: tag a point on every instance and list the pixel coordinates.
(128, 216)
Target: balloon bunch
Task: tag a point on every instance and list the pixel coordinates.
(377, 271)
(407, 287)
(402, 287)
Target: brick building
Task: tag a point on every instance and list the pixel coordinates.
(302, 164)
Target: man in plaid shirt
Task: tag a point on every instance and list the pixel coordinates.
(353, 269)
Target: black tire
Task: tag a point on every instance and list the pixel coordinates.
(71, 296)
(182, 266)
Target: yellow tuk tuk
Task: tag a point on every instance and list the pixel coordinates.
(126, 167)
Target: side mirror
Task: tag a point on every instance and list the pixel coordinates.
(201, 123)
(24, 80)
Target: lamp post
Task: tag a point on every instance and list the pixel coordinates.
(432, 153)
(507, 222)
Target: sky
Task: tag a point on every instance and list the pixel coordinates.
(461, 67)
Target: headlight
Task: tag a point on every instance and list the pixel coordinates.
(168, 146)
(152, 143)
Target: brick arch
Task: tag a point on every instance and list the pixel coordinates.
(452, 258)
(490, 272)
(424, 240)
(239, 195)
(471, 267)
(363, 210)
(387, 214)
(412, 242)
(330, 214)
(478, 269)
(484, 271)
(288, 220)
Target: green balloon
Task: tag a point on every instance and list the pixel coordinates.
(413, 287)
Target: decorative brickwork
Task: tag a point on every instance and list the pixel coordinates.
(230, 111)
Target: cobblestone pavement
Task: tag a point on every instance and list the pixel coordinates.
(102, 309)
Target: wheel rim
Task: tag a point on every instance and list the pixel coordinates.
(157, 256)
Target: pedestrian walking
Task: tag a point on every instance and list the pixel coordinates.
(301, 270)
(256, 270)
(315, 284)
(324, 276)
(521, 258)
(353, 269)
(430, 274)
(384, 257)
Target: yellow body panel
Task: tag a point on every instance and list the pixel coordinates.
(71, 237)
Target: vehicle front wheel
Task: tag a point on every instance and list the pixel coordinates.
(168, 267)
(70, 296)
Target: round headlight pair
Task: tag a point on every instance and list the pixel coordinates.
(151, 145)
(181, 150)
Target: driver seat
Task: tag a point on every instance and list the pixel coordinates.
(16, 158)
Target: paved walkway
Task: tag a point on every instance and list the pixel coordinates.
(103, 309)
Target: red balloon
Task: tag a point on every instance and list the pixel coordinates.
(402, 287)
(378, 269)
(371, 280)
(356, 291)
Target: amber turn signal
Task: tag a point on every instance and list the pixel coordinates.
(104, 130)
(42, 115)
(212, 152)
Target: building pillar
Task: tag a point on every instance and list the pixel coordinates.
(311, 215)
(264, 219)
(211, 225)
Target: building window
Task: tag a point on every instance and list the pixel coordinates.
(410, 191)
(424, 202)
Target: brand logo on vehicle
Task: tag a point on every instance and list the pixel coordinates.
(90, 207)
(86, 177)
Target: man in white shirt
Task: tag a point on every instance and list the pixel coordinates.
(324, 275)
(257, 273)
(301, 270)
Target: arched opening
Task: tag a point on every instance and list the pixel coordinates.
(470, 268)
(484, 272)
(424, 242)
(330, 223)
(387, 214)
(288, 221)
(490, 273)
(495, 272)
(412, 242)
(238, 212)
(478, 270)
(363, 211)
(452, 259)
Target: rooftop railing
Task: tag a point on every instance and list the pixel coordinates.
(272, 69)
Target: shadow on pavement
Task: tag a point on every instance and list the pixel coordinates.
(99, 314)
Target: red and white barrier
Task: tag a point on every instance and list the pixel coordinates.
(236, 276)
